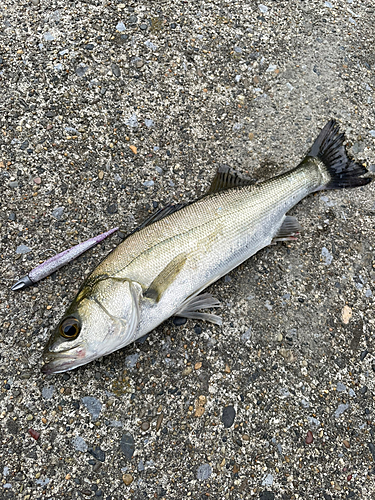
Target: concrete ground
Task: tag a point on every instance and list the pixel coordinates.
(109, 110)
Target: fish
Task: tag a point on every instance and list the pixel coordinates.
(161, 269)
(54, 263)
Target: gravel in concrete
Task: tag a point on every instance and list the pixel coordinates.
(109, 110)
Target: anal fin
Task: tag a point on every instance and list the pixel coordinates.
(289, 229)
(190, 308)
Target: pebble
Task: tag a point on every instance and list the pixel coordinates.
(47, 391)
(127, 445)
(327, 256)
(372, 450)
(313, 421)
(271, 68)
(340, 387)
(34, 434)
(22, 249)
(228, 416)
(81, 70)
(145, 426)
(159, 421)
(120, 26)
(266, 495)
(204, 472)
(148, 183)
(127, 479)
(346, 314)
(346, 443)
(141, 466)
(131, 360)
(97, 453)
(112, 208)
(13, 184)
(202, 400)
(12, 216)
(42, 482)
(151, 46)
(309, 437)
(37, 180)
(57, 212)
(79, 444)
(93, 405)
(340, 410)
(267, 480)
(179, 321)
(363, 354)
(115, 70)
(142, 339)
(48, 37)
(132, 121)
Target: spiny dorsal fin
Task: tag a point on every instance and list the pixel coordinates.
(158, 215)
(226, 178)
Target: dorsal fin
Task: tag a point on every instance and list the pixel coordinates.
(158, 215)
(226, 178)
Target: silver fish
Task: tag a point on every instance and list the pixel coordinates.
(160, 270)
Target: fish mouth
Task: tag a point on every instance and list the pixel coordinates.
(58, 362)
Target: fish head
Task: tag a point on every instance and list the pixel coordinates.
(102, 318)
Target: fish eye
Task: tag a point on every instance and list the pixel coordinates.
(70, 328)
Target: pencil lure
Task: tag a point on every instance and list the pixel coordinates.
(51, 265)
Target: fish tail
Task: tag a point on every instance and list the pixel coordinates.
(342, 171)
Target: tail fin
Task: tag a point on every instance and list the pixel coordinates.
(344, 171)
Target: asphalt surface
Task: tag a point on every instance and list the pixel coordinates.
(109, 111)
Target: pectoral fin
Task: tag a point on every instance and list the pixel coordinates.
(165, 278)
(190, 308)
